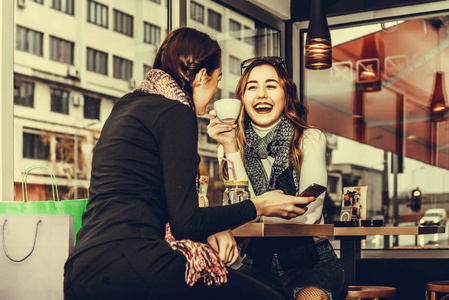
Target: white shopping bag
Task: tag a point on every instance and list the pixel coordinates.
(34, 250)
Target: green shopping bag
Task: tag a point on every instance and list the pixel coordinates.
(57, 206)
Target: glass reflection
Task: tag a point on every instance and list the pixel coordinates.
(376, 103)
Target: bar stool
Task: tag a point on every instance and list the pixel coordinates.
(371, 292)
(437, 290)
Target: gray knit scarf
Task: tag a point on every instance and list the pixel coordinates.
(275, 144)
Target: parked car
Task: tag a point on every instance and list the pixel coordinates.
(434, 216)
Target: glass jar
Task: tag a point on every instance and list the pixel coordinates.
(236, 191)
(203, 201)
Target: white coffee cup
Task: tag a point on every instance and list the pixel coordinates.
(227, 109)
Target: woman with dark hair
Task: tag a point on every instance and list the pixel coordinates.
(143, 233)
(276, 149)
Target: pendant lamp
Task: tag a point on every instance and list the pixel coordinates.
(318, 43)
(438, 106)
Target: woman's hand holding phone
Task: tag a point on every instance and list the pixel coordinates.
(313, 190)
(277, 204)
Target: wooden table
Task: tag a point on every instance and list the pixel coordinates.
(350, 237)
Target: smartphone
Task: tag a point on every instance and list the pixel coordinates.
(312, 190)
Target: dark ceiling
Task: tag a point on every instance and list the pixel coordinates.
(300, 9)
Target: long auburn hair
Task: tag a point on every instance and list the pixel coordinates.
(184, 52)
(294, 110)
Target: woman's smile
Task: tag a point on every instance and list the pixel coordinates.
(263, 107)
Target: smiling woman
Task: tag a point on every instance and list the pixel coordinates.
(273, 147)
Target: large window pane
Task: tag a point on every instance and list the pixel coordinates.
(388, 128)
(66, 85)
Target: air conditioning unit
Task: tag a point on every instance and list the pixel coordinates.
(77, 100)
(132, 83)
(21, 3)
(73, 72)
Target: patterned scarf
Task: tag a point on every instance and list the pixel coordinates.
(275, 144)
(202, 261)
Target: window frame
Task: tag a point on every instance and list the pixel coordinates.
(364, 18)
(151, 27)
(27, 83)
(27, 41)
(86, 107)
(238, 25)
(197, 5)
(62, 108)
(36, 137)
(69, 6)
(124, 63)
(237, 61)
(98, 6)
(97, 55)
(61, 44)
(125, 28)
(213, 12)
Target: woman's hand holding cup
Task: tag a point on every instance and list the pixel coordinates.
(222, 125)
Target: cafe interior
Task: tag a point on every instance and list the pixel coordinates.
(371, 73)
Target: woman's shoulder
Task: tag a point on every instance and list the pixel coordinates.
(314, 133)
(314, 136)
(152, 104)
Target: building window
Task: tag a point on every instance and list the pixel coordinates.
(65, 144)
(60, 101)
(146, 69)
(217, 96)
(38, 1)
(197, 12)
(61, 50)
(332, 184)
(97, 13)
(123, 23)
(97, 61)
(213, 20)
(234, 65)
(34, 147)
(91, 107)
(23, 93)
(28, 40)
(248, 35)
(156, 1)
(152, 34)
(65, 6)
(123, 68)
(235, 29)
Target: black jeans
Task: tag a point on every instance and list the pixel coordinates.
(119, 271)
(292, 268)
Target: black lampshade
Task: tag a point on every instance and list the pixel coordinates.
(318, 43)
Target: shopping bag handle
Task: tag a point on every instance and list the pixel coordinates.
(4, 243)
(54, 185)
